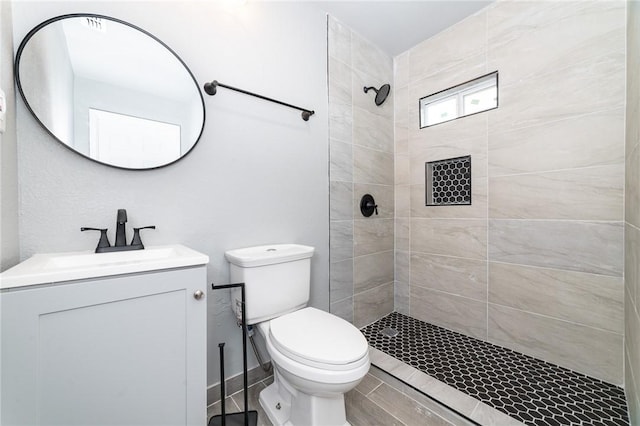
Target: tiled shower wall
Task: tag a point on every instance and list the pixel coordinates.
(361, 162)
(536, 262)
(632, 216)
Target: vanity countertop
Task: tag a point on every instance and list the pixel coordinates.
(48, 268)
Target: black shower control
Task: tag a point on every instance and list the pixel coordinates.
(368, 205)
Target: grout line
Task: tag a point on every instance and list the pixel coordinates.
(565, 169)
(538, 314)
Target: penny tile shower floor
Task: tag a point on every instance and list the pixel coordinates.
(532, 391)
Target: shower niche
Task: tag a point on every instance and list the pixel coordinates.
(448, 182)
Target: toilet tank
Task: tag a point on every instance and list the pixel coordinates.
(277, 279)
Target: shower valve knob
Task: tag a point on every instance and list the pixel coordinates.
(368, 205)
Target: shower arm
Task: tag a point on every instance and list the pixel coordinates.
(211, 89)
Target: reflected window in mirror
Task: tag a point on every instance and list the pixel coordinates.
(131, 142)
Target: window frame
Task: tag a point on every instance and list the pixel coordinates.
(458, 92)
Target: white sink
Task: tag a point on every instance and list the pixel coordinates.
(57, 267)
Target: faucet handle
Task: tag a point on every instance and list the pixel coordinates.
(136, 236)
(104, 240)
(121, 216)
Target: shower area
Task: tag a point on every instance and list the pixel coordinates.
(517, 299)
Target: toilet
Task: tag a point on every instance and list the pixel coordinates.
(317, 356)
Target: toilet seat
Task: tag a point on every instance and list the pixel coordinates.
(319, 339)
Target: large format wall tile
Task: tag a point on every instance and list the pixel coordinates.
(401, 173)
(464, 277)
(372, 270)
(559, 144)
(372, 236)
(403, 262)
(632, 389)
(632, 262)
(341, 280)
(340, 200)
(450, 237)
(593, 300)
(365, 56)
(343, 308)
(339, 40)
(340, 240)
(456, 313)
(403, 201)
(339, 83)
(593, 193)
(371, 166)
(341, 161)
(372, 305)
(535, 38)
(340, 122)
(588, 350)
(632, 338)
(594, 247)
(401, 106)
(632, 188)
(372, 131)
(632, 216)
(576, 91)
(449, 48)
(403, 234)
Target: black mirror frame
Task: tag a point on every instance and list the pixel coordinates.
(108, 18)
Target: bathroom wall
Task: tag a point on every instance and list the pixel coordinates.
(9, 244)
(632, 217)
(361, 162)
(536, 262)
(259, 175)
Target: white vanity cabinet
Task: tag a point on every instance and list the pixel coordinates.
(117, 350)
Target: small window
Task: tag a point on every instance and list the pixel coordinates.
(465, 99)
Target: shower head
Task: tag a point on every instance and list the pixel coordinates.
(381, 93)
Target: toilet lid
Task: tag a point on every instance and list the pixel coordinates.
(315, 335)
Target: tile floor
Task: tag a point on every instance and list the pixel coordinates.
(379, 400)
(532, 391)
(409, 391)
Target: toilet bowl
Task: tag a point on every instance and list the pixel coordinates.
(317, 356)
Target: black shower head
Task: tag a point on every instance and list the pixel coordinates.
(381, 93)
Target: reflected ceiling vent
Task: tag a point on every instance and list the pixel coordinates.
(95, 23)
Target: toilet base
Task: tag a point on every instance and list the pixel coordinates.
(286, 408)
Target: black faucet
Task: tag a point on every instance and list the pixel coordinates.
(121, 236)
(121, 230)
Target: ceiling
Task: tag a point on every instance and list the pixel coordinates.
(396, 26)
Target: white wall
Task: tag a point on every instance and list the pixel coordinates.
(259, 174)
(9, 249)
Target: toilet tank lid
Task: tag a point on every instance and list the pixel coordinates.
(268, 254)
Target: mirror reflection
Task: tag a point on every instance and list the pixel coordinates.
(110, 91)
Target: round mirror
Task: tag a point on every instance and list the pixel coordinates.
(110, 91)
